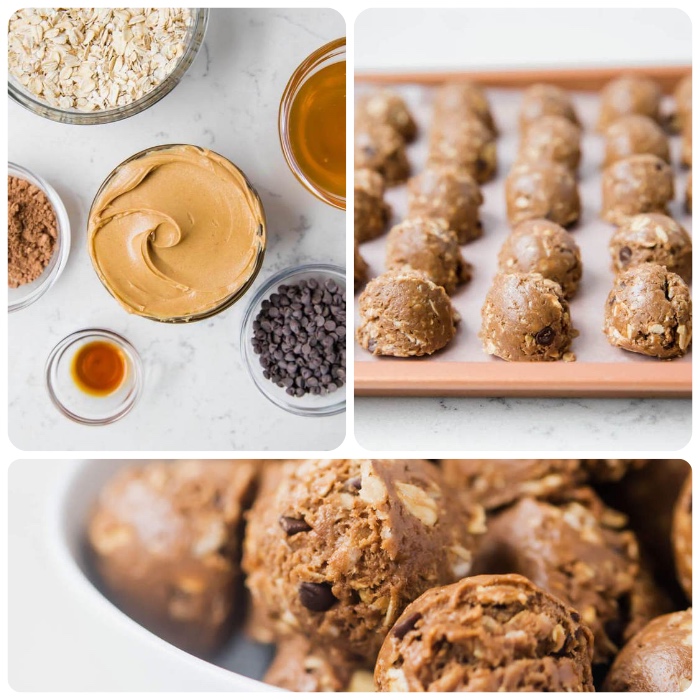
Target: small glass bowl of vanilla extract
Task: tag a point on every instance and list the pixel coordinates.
(94, 376)
(312, 123)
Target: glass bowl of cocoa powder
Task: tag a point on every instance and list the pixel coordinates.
(38, 237)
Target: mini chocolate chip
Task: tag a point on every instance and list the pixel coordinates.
(625, 254)
(354, 483)
(666, 294)
(403, 628)
(292, 526)
(575, 616)
(317, 596)
(545, 336)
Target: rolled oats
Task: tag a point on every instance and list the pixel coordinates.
(93, 59)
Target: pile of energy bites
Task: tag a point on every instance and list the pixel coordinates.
(407, 310)
(396, 575)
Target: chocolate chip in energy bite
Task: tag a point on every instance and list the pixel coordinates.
(354, 483)
(625, 254)
(317, 597)
(293, 526)
(403, 628)
(545, 336)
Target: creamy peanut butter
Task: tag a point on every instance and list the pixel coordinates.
(175, 232)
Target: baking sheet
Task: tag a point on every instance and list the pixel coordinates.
(464, 368)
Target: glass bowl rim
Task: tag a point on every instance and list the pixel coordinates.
(246, 348)
(297, 79)
(107, 116)
(136, 363)
(235, 296)
(64, 236)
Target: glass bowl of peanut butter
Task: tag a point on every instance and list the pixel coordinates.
(177, 233)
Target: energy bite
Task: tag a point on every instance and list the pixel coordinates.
(687, 145)
(606, 470)
(577, 550)
(495, 483)
(405, 314)
(683, 98)
(544, 100)
(466, 144)
(526, 318)
(386, 107)
(449, 193)
(634, 134)
(372, 213)
(327, 551)
(682, 537)
(649, 311)
(629, 94)
(652, 238)
(381, 148)
(360, 268)
(462, 100)
(659, 658)
(429, 246)
(542, 246)
(302, 668)
(648, 497)
(487, 633)
(165, 541)
(542, 191)
(639, 184)
(551, 138)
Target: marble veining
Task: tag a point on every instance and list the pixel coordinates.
(518, 425)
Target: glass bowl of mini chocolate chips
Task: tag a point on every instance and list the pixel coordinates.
(293, 339)
(99, 65)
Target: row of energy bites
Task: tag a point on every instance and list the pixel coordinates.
(407, 310)
(459, 575)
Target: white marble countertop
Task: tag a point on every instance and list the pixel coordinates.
(198, 395)
(554, 38)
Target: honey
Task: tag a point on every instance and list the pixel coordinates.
(98, 368)
(317, 128)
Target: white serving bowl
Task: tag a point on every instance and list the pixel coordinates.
(161, 666)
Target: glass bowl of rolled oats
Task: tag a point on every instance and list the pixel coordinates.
(96, 65)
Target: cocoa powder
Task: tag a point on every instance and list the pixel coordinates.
(32, 231)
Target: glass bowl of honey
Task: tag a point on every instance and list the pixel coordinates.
(312, 123)
(94, 376)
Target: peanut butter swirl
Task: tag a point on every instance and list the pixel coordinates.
(175, 232)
